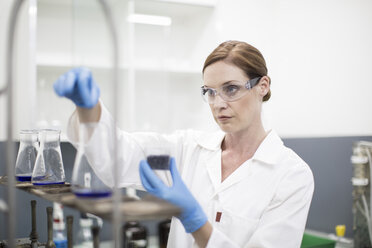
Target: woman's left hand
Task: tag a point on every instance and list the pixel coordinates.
(192, 216)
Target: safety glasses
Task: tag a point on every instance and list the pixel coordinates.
(230, 91)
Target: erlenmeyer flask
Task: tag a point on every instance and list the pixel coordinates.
(49, 166)
(28, 145)
(85, 182)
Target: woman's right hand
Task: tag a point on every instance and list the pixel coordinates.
(79, 86)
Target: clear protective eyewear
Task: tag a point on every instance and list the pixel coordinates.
(230, 91)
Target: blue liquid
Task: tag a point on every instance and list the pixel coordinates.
(23, 178)
(92, 194)
(39, 181)
(47, 183)
(62, 243)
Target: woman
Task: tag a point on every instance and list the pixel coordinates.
(239, 187)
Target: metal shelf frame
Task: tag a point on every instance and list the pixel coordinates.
(8, 90)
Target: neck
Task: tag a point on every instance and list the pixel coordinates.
(246, 141)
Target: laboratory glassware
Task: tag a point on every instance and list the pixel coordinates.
(28, 146)
(85, 182)
(134, 235)
(59, 236)
(158, 157)
(49, 166)
(84, 237)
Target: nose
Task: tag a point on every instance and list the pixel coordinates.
(219, 102)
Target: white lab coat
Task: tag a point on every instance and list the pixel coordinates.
(264, 203)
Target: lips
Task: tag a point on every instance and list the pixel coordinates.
(223, 117)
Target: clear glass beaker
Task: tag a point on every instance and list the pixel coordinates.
(49, 166)
(28, 146)
(85, 182)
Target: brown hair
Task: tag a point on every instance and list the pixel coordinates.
(242, 55)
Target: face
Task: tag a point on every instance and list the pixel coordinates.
(239, 115)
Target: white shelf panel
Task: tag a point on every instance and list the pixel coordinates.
(176, 9)
(147, 66)
(202, 3)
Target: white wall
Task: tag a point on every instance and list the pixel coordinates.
(318, 54)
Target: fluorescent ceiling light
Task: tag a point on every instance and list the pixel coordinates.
(150, 19)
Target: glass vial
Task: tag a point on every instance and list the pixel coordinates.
(158, 157)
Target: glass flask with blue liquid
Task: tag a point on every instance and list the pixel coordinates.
(85, 182)
(28, 146)
(49, 166)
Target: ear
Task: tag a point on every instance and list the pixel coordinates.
(264, 86)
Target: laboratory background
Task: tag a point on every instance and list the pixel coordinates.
(319, 57)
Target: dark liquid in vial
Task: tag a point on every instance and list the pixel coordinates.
(92, 194)
(23, 178)
(158, 162)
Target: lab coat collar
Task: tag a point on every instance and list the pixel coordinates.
(270, 149)
(268, 152)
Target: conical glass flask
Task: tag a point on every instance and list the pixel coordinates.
(49, 166)
(85, 182)
(28, 146)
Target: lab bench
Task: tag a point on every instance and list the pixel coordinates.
(341, 242)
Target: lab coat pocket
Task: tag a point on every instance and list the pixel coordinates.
(238, 228)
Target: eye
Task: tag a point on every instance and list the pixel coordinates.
(208, 92)
(231, 89)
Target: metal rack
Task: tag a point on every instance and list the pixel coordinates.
(361, 180)
(131, 209)
(117, 209)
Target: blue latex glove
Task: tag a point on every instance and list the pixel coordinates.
(79, 86)
(192, 216)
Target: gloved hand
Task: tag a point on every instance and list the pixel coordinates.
(192, 216)
(79, 86)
